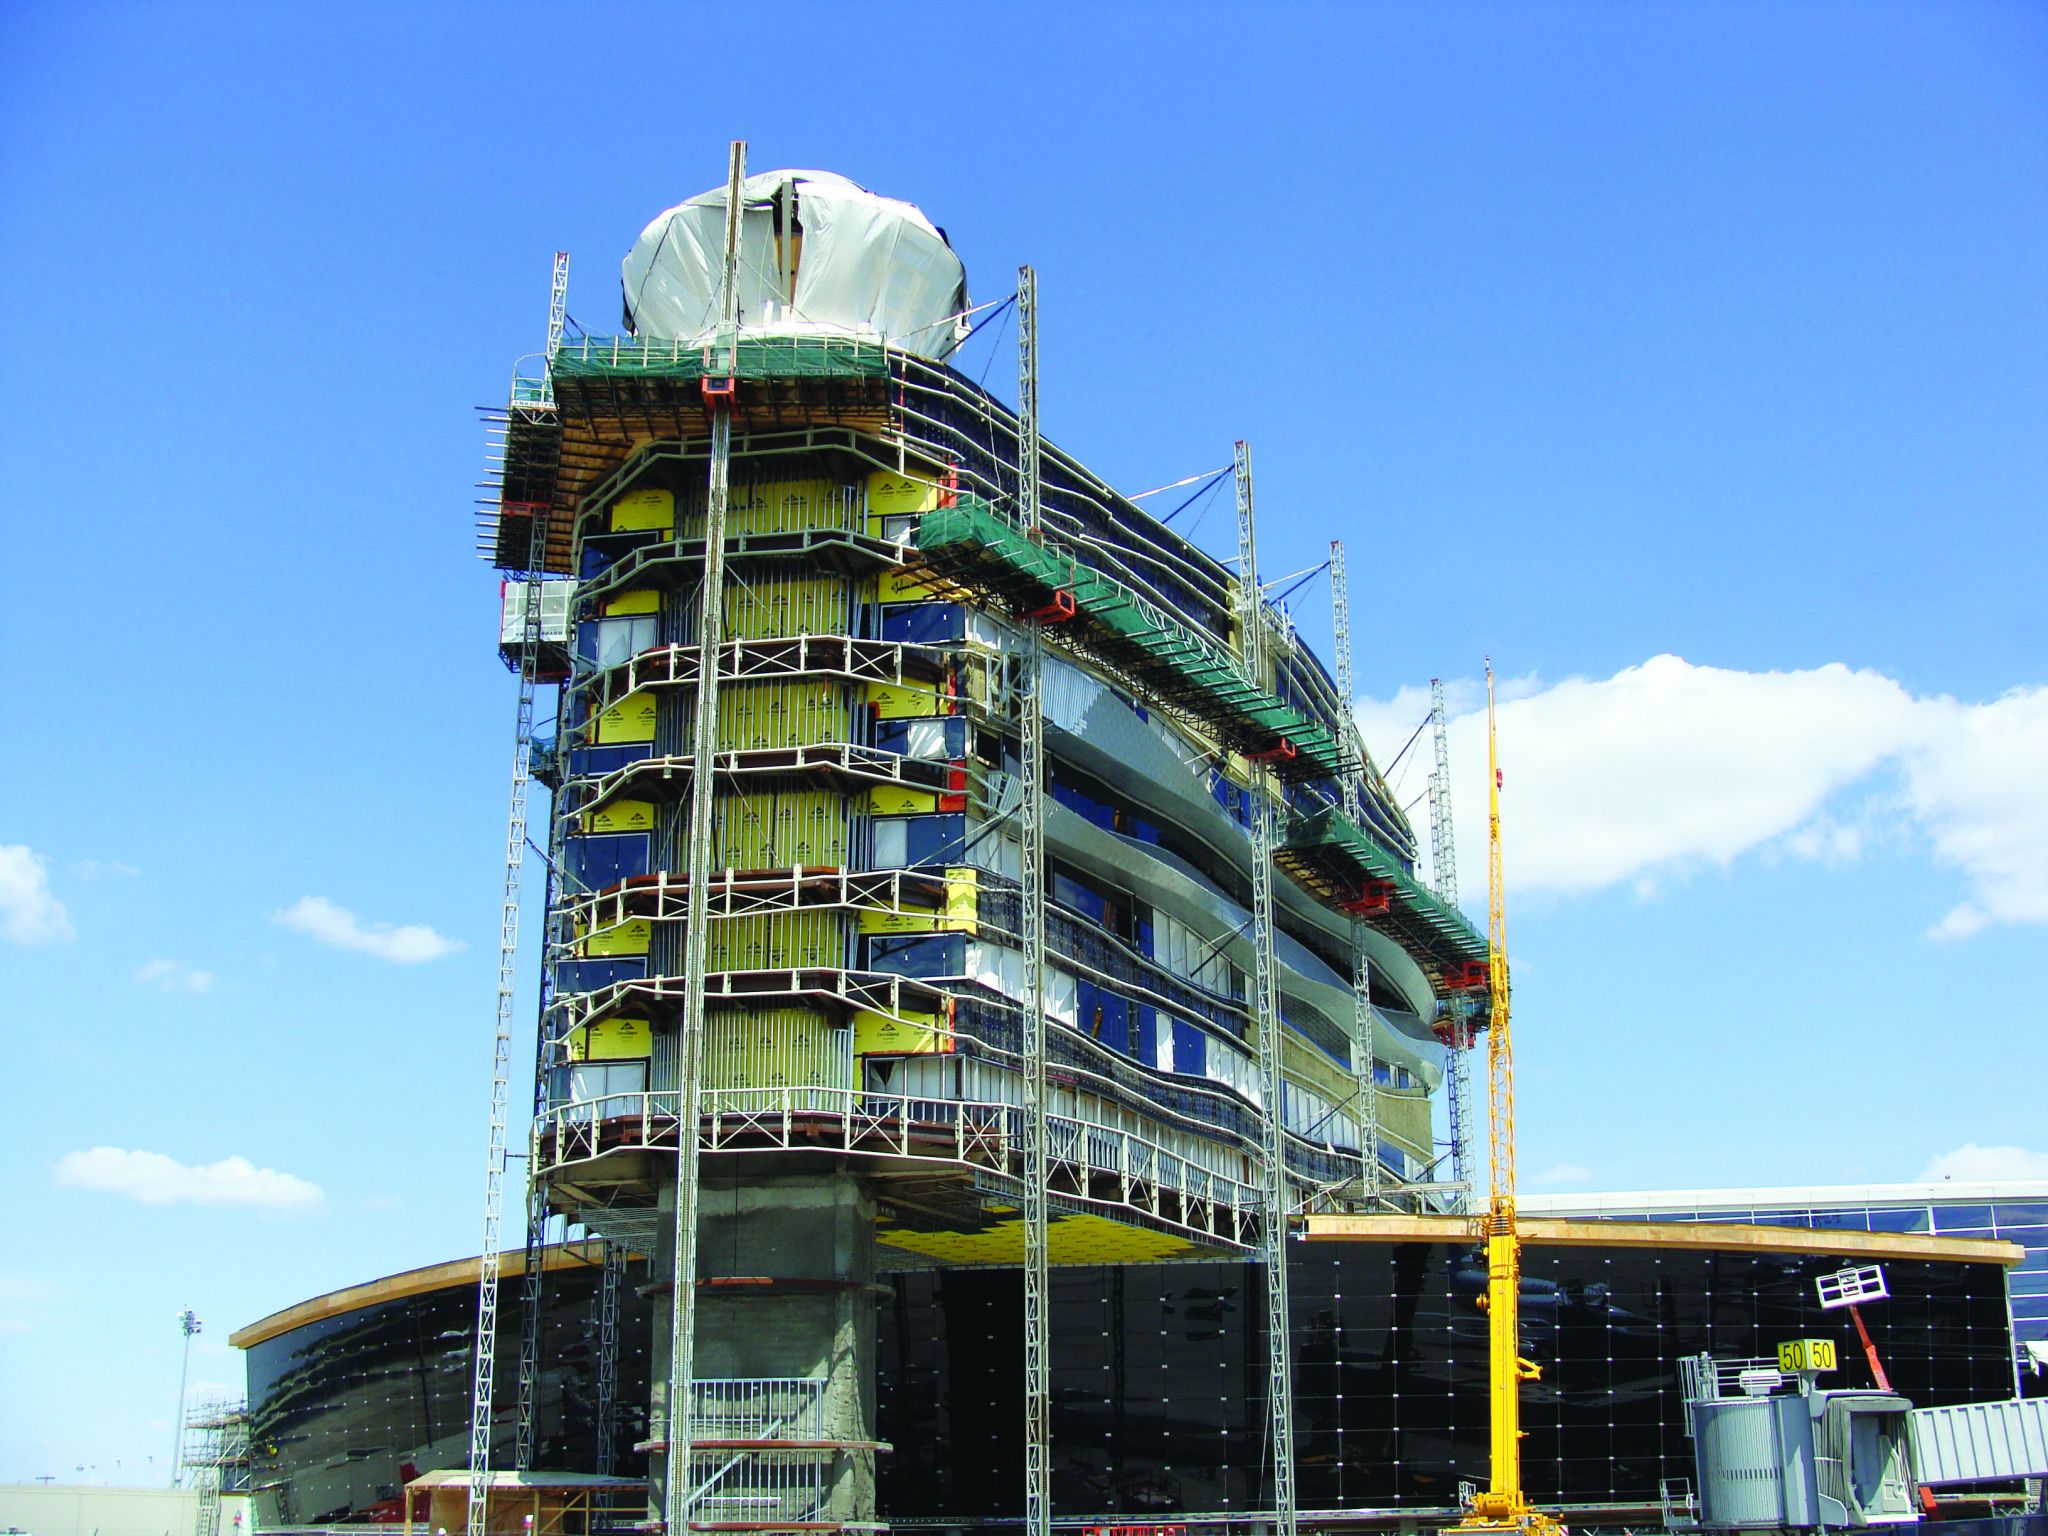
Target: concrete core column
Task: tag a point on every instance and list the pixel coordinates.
(785, 1267)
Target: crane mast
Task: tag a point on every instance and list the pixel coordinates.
(1503, 1506)
(1454, 1028)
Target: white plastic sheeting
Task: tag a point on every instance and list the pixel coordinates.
(819, 255)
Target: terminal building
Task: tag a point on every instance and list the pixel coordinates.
(1159, 1373)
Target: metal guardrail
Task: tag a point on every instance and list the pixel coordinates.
(1097, 1164)
(758, 1408)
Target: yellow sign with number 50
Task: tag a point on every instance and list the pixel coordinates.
(1807, 1355)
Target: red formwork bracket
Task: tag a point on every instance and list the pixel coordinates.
(1058, 611)
(1469, 976)
(954, 796)
(1281, 752)
(717, 390)
(1371, 899)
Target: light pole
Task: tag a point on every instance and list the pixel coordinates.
(188, 1320)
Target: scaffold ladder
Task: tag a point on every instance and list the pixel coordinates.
(1443, 864)
(675, 1431)
(553, 926)
(1031, 869)
(484, 1380)
(609, 1286)
(1352, 786)
(501, 1047)
(1266, 812)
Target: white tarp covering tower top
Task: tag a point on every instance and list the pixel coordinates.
(819, 255)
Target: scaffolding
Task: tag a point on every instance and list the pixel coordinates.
(216, 1452)
(1031, 865)
(1352, 784)
(528, 661)
(610, 1286)
(1455, 1026)
(677, 1430)
(1279, 1203)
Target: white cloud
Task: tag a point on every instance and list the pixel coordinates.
(1668, 767)
(104, 869)
(175, 976)
(1974, 1163)
(29, 914)
(1976, 785)
(1563, 1173)
(151, 1178)
(406, 944)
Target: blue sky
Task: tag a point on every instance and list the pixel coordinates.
(1687, 360)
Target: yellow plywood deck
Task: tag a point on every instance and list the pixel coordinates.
(1071, 1239)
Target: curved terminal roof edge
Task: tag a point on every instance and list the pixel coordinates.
(1788, 1197)
(1690, 1236)
(410, 1282)
(1735, 1237)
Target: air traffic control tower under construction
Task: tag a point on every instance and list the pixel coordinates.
(954, 863)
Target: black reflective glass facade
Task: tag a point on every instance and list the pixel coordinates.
(343, 1410)
(1159, 1385)
(2022, 1220)
(1158, 1375)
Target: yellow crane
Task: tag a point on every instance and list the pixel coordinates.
(1502, 1506)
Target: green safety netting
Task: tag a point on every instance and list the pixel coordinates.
(758, 357)
(974, 545)
(1334, 859)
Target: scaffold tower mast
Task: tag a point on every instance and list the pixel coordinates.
(484, 1380)
(1031, 869)
(1352, 786)
(718, 384)
(1266, 811)
(610, 1285)
(1457, 1023)
(553, 923)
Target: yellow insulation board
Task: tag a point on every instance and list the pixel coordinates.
(811, 940)
(892, 495)
(897, 800)
(625, 604)
(792, 714)
(772, 1048)
(903, 586)
(610, 1040)
(787, 506)
(775, 605)
(963, 899)
(882, 1034)
(907, 701)
(776, 829)
(640, 511)
(627, 938)
(629, 720)
(620, 816)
